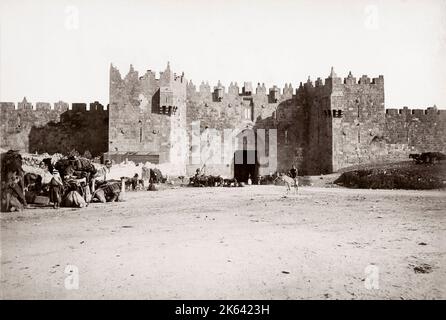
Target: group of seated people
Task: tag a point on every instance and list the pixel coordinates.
(70, 188)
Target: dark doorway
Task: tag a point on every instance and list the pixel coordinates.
(245, 165)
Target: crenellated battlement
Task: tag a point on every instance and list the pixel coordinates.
(7, 106)
(220, 92)
(163, 78)
(114, 73)
(96, 106)
(406, 112)
(275, 94)
(261, 89)
(205, 87)
(234, 89)
(350, 80)
(59, 106)
(320, 85)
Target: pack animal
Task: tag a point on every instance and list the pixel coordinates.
(289, 182)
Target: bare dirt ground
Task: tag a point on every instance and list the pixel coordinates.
(232, 243)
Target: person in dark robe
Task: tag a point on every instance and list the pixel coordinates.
(293, 173)
(135, 181)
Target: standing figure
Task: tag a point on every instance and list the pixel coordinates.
(56, 189)
(135, 181)
(197, 177)
(293, 174)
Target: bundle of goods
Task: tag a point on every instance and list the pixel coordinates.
(76, 167)
(74, 190)
(156, 176)
(202, 180)
(107, 191)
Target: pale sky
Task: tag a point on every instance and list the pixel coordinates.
(62, 50)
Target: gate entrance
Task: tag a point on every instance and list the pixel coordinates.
(245, 165)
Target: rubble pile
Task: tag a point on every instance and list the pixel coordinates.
(408, 176)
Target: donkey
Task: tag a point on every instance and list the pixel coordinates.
(289, 182)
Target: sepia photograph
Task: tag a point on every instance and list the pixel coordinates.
(230, 151)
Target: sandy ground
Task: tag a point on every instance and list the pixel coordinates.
(232, 243)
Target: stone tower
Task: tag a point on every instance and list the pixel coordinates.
(358, 120)
(148, 115)
(345, 121)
